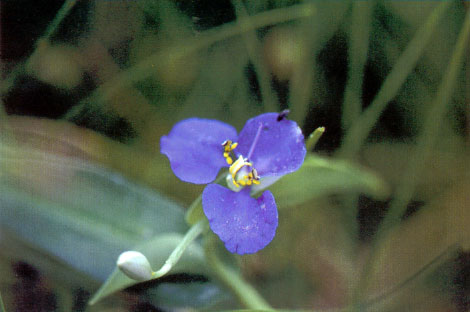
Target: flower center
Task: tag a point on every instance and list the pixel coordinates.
(241, 172)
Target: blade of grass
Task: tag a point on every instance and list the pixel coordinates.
(146, 67)
(425, 143)
(357, 55)
(254, 51)
(360, 129)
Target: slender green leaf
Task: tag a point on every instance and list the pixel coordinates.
(357, 54)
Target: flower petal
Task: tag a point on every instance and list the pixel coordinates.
(243, 223)
(194, 148)
(280, 148)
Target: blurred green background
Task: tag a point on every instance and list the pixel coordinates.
(377, 215)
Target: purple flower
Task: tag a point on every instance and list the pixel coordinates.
(268, 147)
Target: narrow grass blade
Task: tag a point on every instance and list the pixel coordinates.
(360, 129)
(357, 54)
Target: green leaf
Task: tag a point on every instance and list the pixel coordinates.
(324, 176)
(157, 251)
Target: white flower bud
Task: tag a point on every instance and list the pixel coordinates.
(135, 265)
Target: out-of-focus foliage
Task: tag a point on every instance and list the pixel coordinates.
(111, 77)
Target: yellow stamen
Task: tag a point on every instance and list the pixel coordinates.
(247, 179)
(228, 147)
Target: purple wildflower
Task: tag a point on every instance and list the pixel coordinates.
(267, 148)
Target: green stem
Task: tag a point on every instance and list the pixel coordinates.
(360, 129)
(245, 293)
(196, 230)
(425, 143)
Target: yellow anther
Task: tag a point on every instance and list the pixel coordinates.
(228, 147)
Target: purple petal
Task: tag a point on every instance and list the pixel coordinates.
(280, 148)
(243, 223)
(194, 148)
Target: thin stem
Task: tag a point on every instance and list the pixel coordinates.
(245, 293)
(196, 230)
(255, 141)
(360, 129)
(425, 143)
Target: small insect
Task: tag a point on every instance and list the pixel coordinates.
(283, 114)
